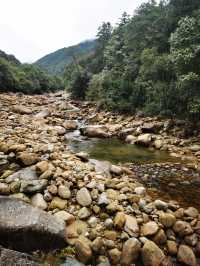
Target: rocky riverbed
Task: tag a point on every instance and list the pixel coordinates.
(99, 213)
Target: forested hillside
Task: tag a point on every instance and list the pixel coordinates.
(17, 77)
(149, 62)
(56, 62)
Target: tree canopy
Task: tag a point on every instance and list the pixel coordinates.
(148, 61)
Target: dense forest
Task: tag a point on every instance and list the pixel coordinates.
(26, 78)
(148, 62)
(56, 62)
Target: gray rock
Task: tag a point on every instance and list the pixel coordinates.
(72, 262)
(39, 202)
(33, 186)
(83, 197)
(103, 200)
(26, 228)
(25, 174)
(13, 258)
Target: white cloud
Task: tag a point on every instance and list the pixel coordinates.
(32, 28)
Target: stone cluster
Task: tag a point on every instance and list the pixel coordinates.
(109, 217)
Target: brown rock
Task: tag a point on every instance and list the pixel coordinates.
(4, 189)
(131, 226)
(83, 250)
(111, 235)
(160, 238)
(70, 125)
(57, 203)
(152, 255)
(171, 247)
(182, 228)
(27, 158)
(42, 167)
(114, 255)
(120, 220)
(167, 219)
(149, 229)
(130, 252)
(191, 212)
(186, 256)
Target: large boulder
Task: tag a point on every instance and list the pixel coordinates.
(144, 140)
(25, 228)
(152, 127)
(23, 110)
(152, 255)
(10, 257)
(95, 131)
(70, 125)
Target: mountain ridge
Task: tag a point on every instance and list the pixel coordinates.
(55, 62)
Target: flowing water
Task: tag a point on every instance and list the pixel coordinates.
(116, 151)
(168, 177)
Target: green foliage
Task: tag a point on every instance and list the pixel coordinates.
(148, 62)
(25, 78)
(79, 82)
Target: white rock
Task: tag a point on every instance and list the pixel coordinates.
(64, 192)
(38, 201)
(83, 197)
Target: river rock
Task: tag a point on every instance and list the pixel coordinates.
(152, 255)
(131, 139)
(103, 199)
(38, 201)
(182, 228)
(120, 220)
(172, 247)
(58, 203)
(27, 173)
(95, 131)
(26, 228)
(117, 170)
(42, 114)
(191, 212)
(114, 255)
(64, 192)
(186, 256)
(84, 213)
(14, 258)
(161, 205)
(149, 229)
(70, 125)
(144, 139)
(140, 191)
(83, 197)
(42, 167)
(130, 252)
(195, 148)
(167, 219)
(65, 216)
(84, 156)
(27, 159)
(4, 189)
(72, 262)
(131, 226)
(83, 250)
(33, 186)
(23, 110)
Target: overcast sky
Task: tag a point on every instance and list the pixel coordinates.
(30, 29)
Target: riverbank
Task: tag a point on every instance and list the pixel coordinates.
(108, 214)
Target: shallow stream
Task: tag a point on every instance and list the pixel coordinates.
(167, 177)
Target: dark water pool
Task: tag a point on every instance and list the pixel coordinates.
(116, 151)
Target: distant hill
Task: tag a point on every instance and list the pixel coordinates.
(10, 58)
(56, 62)
(26, 78)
